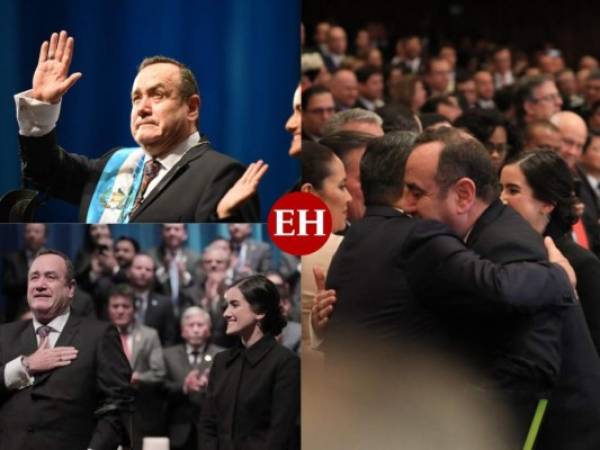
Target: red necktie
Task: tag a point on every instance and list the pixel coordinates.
(581, 235)
(151, 169)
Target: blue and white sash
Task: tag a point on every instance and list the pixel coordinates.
(117, 187)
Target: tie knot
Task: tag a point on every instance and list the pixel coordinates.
(195, 353)
(152, 167)
(43, 331)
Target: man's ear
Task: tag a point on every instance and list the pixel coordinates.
(307, 187)
(527, 106)
(466, 192)
(193, 107)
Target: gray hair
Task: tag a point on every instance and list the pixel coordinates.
(193, 311)
(339, 119)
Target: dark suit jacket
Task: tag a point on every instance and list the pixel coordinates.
(160, 316)
(83, 405)
(591, 213)
(189, 192)
(184, 410)
(253, 400)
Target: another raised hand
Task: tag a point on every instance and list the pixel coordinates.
(555, 256)
(51, 79)
(242, 190)
(323, 302)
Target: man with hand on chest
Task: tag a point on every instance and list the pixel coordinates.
(64, 380)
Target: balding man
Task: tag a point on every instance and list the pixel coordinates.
(541, 134)
(344, 88)
(573, 134)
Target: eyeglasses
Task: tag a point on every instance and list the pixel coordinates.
(497, 148)
(548, 98)
(321, 111)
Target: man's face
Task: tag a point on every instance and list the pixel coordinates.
(337, 41)
(120, 311)
(344, 88)
(592, 91)
(449, 54)
(567, 83)
(484, 84)
(468, 90)
(141, 272)
(591, 158)
(195, 330)
(98, 232)
(356, 208)
(422, 196)
(214, 260)
(573, 135)
(35, 236)
(543, 137)
(49, 292)
(321, 31)
(372, 89)
(545, 102)
(439, 76)
(319, 109)
(124, 253)
(160, 118)
(413, 48)
(174, 235)
(502, 61)
(239, 231)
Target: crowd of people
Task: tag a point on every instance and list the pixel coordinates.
(503, 149)
(176, 310)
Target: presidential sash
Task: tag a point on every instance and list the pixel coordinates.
(117, 187)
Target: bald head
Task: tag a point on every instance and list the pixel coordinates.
(573, 134)
(344, 88)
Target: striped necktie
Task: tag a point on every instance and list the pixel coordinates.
(151, 169)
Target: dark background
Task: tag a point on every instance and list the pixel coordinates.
(245, 55)
(572, 26)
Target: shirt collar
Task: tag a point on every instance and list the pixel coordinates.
(168, 160)
(57, 324)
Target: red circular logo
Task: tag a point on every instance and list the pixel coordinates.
(299, 223)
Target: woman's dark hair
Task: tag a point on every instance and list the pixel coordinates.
(551, 181)
(480, 123)
(316, 163)
(263, 297)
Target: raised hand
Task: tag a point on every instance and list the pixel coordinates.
(555, 256)
(323, 302)
(46, 358)
(242, 190)
(51, 79)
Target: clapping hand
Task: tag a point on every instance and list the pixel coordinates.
(51, 79)
(323, 302)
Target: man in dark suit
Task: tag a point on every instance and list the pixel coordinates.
(587, 176)
(175, 264)
(188, 367)
(250, 256)
(15, 266)
(174, 176)
(528, 355)
(152, 309)
(73, 391)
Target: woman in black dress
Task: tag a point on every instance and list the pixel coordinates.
(253, 398)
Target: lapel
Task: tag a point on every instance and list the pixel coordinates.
(137, 341)
(28, 341)
(66, 338)
(193, 153)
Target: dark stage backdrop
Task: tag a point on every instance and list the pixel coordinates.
(69, 238)
(244, 53)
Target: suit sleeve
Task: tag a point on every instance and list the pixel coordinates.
(285, 404)
(113, 375)
(588, 287)
(53, 170)
(433, 251)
